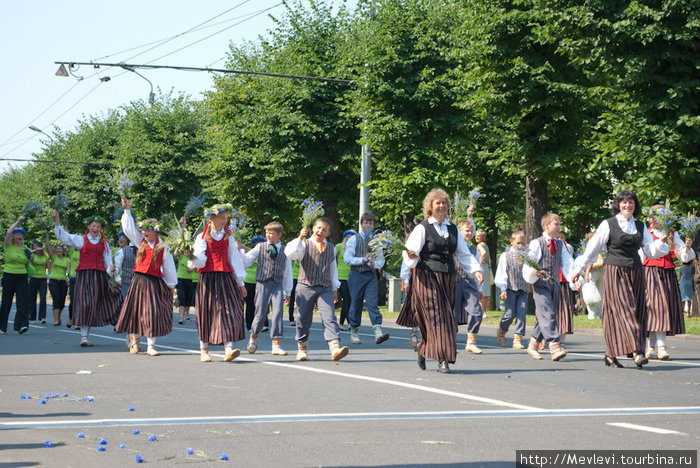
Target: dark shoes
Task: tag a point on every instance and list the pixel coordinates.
(421, 361)
(613, 363)
(640, 360)
(23, 330)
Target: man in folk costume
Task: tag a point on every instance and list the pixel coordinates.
(97, 297)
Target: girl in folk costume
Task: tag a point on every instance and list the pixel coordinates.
(432, 247)
(97, 302)
(124, 263)
(663, 295)
(221, 289)
(148, 307)
(624, 308)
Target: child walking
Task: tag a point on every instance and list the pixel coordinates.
(273, 286)
(509, 279)
(317, 285)
(468, 310)
(148, 307)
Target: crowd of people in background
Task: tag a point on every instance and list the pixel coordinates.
(626, 275)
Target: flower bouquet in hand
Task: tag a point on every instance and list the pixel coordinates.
(32, 209)
(312, 210)
(664, 216)
(193, 206)
(387, 245)
(124, 185)
(178, 238)
(43, 224)
(524, 258)
(60, 204)
(690, 225)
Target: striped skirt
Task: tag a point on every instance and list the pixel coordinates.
(624, 310)
(565, 310)
(96, 302)
(148, 307)
(663, 301)
(432, 300)
(407, 316)
(219, 311)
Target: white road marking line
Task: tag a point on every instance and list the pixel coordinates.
(322, 417)
(396, 383)
(637, 427)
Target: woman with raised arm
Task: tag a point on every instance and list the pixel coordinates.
(14, 279)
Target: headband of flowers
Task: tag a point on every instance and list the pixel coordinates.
(95, 218)
(218, 208)
(149, 225)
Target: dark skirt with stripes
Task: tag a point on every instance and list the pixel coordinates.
(407, 316)
(565, 310)
(663, 301)
(624, 310)
(97, 300)
(432, 300)
(148, 307)
(219, 311)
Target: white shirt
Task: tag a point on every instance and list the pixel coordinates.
(567, 263)
(349, 254)
(76, 240)
(252, 256)
(133, 233)
(405, 274)
(501, 278)
(650, 247)
(683, 253)
(234, 257)
(296, 249)
(416, 241)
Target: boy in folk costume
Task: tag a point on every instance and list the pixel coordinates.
(148, 307)
(220, 290)
(468, 310)
(362, 281)
(273, 286)
(509, 279)
(318, 284)
(552, 256)
(565, 306)
(96, 301)
(124, 263)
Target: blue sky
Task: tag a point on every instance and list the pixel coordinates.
(35, 34)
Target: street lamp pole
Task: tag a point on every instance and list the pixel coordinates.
(37, 129)
(151, 96)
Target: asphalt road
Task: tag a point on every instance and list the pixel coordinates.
(373, 408)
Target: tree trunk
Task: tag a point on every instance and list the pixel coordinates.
(535, 206)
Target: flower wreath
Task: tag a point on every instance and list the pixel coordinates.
(94, 218)
(218, 208)
(149, 225)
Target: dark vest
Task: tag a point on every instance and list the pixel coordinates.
(361, 249)
(514, 271)
(550, 264)
(623, 248)
(128, 264)
(269, 267)
(437, 252)
(314, 267)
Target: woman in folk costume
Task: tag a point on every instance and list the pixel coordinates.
(624, 308)
(97, 298)
(148, 307)
(431, 248)
(221, 288)
(663, 298)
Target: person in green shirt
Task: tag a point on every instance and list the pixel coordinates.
(250, 286)
(343, 273)
(37, 283)
(186, 286)
(14, 279)
(58, 278)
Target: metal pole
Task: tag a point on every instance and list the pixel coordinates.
(365, 177)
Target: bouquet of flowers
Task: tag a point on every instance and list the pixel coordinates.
(386, 245)
(193, 205)
(240, 226)
(43, 224)
(312, 211)
(178, 238)
(124, 185)
(474, 195)
(525, 258)
(32, 209)
(60, 204)
(690, 225)
(664, 216)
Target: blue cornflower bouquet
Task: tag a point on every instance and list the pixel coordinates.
(60, 204)
(690, 225)
(312, 211)
(32, 209)
(240, 226)
(124, 185)
(193, 205)
(389, 246)
(664, 216)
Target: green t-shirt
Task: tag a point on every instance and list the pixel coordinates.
(74, 256)
(15, 260)
(295, 269)
(250, 273)
(343, 268)
(182, 270)
(40, 265)
(58, 268)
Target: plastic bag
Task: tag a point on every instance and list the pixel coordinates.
(590, 294)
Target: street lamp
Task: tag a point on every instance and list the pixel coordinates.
(151, 96)
(37, 129)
